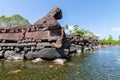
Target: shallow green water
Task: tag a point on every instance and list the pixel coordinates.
(103, 64)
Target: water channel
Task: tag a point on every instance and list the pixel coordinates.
(102, 64)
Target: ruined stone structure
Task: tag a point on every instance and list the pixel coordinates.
(44, 39)
(79, 43)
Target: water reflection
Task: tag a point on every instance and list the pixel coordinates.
(103, 64)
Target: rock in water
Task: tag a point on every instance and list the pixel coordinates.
(15, 71)
(13, 55)
(49, 53)
(79, 51)
(37, 60)
(59, 61)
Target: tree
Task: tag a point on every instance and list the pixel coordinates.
(109, 41)
(15, 20)
(66, 27)
(75, 27)
(80, 32)
(2, 20)
(76, 30)
(110, 37)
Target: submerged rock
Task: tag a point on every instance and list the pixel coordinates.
(79, 51)
(37, 60)
(15, 71)
(59, 61)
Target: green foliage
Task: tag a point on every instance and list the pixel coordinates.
(66, 27)
(82, 32)
(15, 20)
(109, 41)
(75, 27)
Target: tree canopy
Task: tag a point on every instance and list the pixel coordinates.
(83, 32)
(109, 41)
(15, 20)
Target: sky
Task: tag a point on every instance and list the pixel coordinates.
(102, 17)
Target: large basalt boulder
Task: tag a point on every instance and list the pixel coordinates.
(49, 53)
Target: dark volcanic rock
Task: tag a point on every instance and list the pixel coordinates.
(49, 53)
(50, 20)
(80, 43)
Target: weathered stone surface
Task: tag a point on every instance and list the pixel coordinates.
(81, 44)
(12, 55)
(44, 39)
(56, 13)
(49, 53)
(29, 55)
(50, 20)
